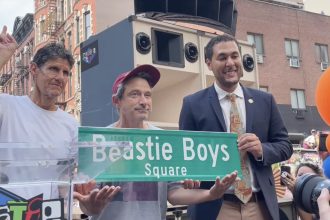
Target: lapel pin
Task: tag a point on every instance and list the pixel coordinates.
(250, 101)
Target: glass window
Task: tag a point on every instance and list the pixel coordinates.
(257, 40)
(292, 48)
(322, 53)
(298, 99)
(69, 41)
(263, 88)
(78, 73)
(62, 10)
(68, 7)
(70, 86)
(77, 31)
(87, 23)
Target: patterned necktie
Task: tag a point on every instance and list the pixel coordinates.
(243, 189)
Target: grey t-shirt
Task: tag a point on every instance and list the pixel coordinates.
(137, 200)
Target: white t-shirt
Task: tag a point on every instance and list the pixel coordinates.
(22, 121)
(137, 200)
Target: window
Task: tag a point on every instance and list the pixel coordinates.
(87, 23)
(78, 73)
(62, 10)
(322, 53)
(69, 41)
(77, 31)
(70, 86)
(68, 5)
(298, 99)
(263, 88)
(292, 48)
(257, 40)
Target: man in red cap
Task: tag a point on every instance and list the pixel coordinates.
(131, 94)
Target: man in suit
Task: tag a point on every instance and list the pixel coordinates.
(265, 140)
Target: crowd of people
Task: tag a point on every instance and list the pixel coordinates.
(262, 141)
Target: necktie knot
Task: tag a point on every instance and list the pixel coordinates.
(231, 97)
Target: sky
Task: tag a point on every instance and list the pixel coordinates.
(10, 9)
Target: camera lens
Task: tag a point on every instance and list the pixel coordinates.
(306, 191)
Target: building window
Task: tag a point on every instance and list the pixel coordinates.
(263, 88)
(322, 55)
(257, 40)
(70, 86)
(78, 74)
(69, 41)
(68, 5)
(292, 48)
(62, 10)
(87, 23)
(298, 99)
(77, 31)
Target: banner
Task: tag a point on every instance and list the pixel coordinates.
(109, 154)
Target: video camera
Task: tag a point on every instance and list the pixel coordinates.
(306, 191)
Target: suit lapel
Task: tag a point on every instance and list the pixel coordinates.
(216, 107)
(249, 107)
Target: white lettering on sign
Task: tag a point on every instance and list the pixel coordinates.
(148, 150)
(203, 151)
(152, 150)
(164, 171)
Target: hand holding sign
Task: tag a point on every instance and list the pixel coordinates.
(93, 201)
(220, 186)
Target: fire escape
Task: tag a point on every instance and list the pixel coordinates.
(52, 22)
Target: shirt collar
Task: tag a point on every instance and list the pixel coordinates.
(222, 93)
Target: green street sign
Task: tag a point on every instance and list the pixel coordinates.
(109, 154)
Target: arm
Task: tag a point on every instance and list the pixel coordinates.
(7, 46)
(186, 120)
(181, 196)
(273, 135)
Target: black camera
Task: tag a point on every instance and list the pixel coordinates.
(306, 191)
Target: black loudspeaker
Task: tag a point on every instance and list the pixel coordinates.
(167, 47)
(322, 142)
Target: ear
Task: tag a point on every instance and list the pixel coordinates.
(208, 63)
(115, 100)
(33, 69)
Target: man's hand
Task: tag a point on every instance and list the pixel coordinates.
(249, 142)
(92, 200)
(323, 203)
(220, 186)
(8, 46)
(190, 184)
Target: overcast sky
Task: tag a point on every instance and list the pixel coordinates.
(10, 9)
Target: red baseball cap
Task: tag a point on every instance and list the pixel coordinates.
(146, 68)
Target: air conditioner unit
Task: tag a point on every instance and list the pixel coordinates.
(324, 65)
(300, 114)
(294, 62)
(260, 58)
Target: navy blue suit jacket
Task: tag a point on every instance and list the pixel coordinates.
(202, 112)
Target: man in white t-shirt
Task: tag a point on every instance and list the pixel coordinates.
(37, 121)
(132, 95)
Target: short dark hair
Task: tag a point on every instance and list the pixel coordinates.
(52, 51)
(317, 170)
(215, 40)
(121, 88)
